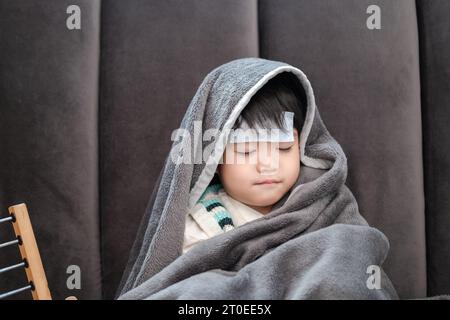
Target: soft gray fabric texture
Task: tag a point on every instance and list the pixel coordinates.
(313, 244)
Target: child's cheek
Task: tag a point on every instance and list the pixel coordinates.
(291, 168)
(241, 174)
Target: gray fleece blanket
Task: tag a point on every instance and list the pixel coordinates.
(314, 244)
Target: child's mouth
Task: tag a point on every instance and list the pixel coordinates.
(267, 181)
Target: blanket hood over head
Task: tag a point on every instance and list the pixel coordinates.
(157, 268)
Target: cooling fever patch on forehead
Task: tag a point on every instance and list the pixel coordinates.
(267, 134)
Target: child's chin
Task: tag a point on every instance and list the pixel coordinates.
(269, 200)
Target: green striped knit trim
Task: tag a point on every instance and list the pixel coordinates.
(213, 206)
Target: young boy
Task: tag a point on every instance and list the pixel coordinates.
(262, 216)
(247, 187)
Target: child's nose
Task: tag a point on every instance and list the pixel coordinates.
(268, 161)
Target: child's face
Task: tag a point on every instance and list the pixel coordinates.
(263, 174)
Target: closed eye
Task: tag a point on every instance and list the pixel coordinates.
(285, 148)
(246, 152)
(245, 148)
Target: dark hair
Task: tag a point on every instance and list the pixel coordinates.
(283, 92)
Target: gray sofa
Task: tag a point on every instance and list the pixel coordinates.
(86, 117)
